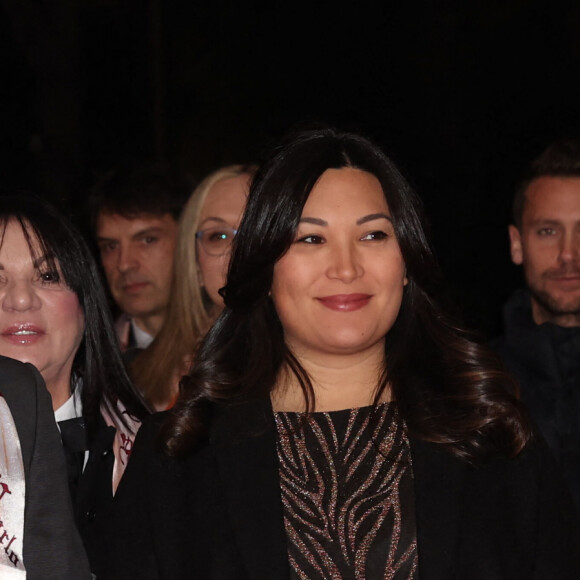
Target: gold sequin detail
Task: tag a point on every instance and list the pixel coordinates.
(347, 490)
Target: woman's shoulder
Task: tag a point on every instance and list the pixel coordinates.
(147, 447)
(517, 509)
(23, 389)
(527, 482)
(149, 454)
(535, 457)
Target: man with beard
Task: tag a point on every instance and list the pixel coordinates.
(541, 344)
(134, 213)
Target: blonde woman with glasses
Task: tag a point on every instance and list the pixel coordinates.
(206, 231)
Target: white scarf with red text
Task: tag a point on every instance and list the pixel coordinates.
(123, 442)
(12, 498)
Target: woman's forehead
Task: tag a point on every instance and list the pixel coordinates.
(349, 189)
(22, 228)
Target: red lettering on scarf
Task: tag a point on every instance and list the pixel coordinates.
(11, 555)
(126, 446)
(4, 489)
(13, 558)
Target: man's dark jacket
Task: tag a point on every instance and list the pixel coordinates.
(545, 359)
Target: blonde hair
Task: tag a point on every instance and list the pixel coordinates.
(188, 317)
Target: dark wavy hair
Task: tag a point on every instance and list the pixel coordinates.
(133, 190)
(448, 388)
(98, 360)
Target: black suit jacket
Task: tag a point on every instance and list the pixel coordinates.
(52, 546)
(545, 359)
(217, 514)
(94, 496)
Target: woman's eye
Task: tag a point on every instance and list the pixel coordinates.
(311, 239)
(376, 236)
(50, 277)
(217, 236)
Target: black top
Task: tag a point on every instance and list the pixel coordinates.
(347, 490)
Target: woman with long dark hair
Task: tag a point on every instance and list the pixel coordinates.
(54, 315)
(337, 423)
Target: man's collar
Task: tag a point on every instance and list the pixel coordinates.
(142, 338)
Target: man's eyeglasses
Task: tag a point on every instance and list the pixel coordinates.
(216, 241)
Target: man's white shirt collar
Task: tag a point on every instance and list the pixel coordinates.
(142, 338)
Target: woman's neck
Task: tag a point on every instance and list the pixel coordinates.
(60, 392)
(339, 382)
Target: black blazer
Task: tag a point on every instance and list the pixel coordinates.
(52, 546)
(94, 496)
(92, 493)
(217, 514)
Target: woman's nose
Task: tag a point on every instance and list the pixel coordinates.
(344, 264)
(20, 297)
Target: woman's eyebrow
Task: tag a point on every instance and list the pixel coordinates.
(315, 221)
(218, 220)
(362, 220)
(371, 217)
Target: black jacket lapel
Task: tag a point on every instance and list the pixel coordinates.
(245, 447)
(439, 478)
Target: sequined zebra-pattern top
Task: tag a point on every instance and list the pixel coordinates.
(347, 489)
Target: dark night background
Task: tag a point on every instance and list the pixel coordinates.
(462, 93)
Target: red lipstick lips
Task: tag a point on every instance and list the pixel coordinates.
(22, 334)
(345, 302)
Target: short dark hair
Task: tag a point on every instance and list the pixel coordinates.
(448, 388)
(133, 190)
(560, 159)
(98, 360)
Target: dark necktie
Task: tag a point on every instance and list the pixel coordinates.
(74, 442)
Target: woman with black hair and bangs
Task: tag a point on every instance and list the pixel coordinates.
(337, 423)
(54, 315)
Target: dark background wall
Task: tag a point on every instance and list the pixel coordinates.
(461, 94)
